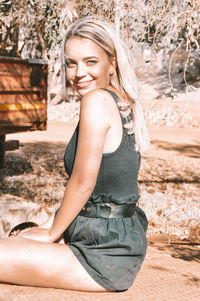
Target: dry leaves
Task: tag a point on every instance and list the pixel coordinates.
(170, 186)
(170, 195)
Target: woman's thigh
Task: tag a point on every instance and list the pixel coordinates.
(33, 263)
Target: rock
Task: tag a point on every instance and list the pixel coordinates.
(15, 210)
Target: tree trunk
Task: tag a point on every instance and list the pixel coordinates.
(2, 150)
(40, 39)
(117, 16)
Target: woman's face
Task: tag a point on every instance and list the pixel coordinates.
(88, 66)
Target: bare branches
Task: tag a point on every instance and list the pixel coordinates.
(34, 28)
(161, 23)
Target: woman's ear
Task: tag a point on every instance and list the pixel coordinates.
(113, 65)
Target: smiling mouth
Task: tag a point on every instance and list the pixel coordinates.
(83, 84)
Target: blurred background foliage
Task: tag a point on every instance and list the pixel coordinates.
(164, 34)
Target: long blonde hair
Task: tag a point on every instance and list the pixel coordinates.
(124, 79)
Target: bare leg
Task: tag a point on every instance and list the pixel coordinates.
(32, 263)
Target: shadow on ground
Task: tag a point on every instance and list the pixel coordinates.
(35, 172)
(173, 85)
(187, 251)
(189, 150)
(21, 161)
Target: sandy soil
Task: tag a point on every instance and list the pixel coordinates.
(169, 178)
(169, 273)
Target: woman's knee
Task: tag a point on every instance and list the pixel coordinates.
(8, 252)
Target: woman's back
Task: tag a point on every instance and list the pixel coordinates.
(118, 173)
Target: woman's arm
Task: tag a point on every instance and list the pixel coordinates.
(94, 124)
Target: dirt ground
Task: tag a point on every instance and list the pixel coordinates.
(169, 177)
(170, 195)
(170, 273)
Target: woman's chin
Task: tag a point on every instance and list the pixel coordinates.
(83, 92)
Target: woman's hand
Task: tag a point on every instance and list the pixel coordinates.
(36, 233)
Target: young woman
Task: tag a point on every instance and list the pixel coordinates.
(102, 229)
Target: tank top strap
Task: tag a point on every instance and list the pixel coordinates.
(128, 118)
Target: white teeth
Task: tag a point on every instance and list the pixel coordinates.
(83, 84)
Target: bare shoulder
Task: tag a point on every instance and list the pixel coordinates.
(96, 97)
(97, 104)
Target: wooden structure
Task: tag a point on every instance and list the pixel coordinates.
(23, 98)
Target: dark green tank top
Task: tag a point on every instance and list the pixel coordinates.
(117, 180)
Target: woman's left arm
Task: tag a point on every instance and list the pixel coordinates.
(94, 124)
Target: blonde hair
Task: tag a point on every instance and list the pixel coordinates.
(124, 79)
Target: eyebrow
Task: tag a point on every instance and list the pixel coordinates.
(90, 57)
(85, 58)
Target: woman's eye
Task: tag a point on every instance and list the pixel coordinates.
(91, 62)
(70, 64)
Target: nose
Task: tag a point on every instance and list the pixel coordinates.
(81, 70)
